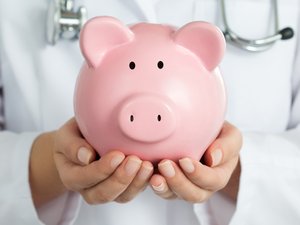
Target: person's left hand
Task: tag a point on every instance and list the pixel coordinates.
(194, 181)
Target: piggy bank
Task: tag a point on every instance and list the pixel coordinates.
(150, 90)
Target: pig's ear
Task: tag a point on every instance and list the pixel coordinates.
(101, 34)
(203, 39)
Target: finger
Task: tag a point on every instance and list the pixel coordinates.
(180, 184)
(76, 177)
(117, 183)
(160, 187)
(138, 184)
(226, 146)
(208, 178)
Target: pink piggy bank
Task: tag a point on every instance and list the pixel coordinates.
(150, 90)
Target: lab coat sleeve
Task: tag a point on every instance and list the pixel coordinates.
(269, 188)
(270, 178)
(269, 184)
(16, 205)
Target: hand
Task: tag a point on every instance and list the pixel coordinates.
(113, 177)
(194, 181)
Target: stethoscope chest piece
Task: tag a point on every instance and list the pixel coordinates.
(63, 21)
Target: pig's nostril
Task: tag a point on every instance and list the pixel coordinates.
(131, 118)
(159, 117)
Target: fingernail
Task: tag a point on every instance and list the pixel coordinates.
(159, 188)
(145, 172)
(167, 169)
(84, 155)
(187, 165)
(116, 161)
(132, 166)
(216, 157)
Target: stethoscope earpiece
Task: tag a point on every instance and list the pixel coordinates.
(63, 21)
(255, 45)
(286, 33)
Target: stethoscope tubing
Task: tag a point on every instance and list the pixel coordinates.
(255, 45)
(64, 22)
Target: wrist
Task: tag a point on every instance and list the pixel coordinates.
(232, 187)
(44, 179)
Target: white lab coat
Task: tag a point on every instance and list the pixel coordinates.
(263, 101)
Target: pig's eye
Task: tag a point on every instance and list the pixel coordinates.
(132, 65)
(160, 64)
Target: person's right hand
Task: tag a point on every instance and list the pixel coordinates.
(113, 177)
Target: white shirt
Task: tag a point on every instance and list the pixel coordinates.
(263, 101)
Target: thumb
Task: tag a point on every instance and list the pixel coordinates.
(86, 155)
(70, 143)
(226, 146)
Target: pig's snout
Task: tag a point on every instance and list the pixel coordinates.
(147, 118)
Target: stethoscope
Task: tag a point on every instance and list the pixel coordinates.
(256, 45)
(64, 22)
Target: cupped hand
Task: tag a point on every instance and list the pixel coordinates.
(196, 181)
(113, 177)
